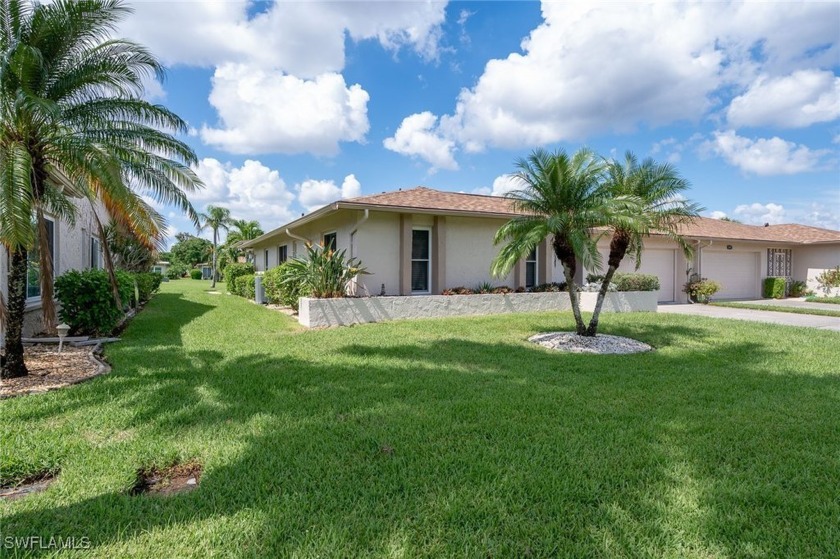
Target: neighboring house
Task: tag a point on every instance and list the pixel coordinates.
(422, 241)
(75, 247)
(160, 267)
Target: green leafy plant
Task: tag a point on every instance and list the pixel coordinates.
(484, 287)
(701, 290)
(325, 274)
(195, 274)
(176, 271)
(147, 284)
(233, 271)
(283, 286)
(635, 282)
(798, 288)
(828, 279)
(87, 302)
(245, 286)
(774, 288)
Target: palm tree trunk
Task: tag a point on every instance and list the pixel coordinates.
(46, 279)
(618, 248)
(566, 256)
(215, 242)
(14, 365)
(109, 261)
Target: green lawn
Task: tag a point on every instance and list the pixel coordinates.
(818, 299)
(776, 308)
(438, 438)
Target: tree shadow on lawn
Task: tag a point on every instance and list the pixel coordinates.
(458, 447)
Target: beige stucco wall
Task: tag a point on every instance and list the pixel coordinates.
(470, 252)
(72, 252)
(814, 257)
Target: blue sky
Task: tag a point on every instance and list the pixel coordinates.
(293, 105)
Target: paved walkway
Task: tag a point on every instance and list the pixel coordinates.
(790, 319)
(799, 303)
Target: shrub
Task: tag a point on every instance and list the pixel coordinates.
(701, 290)
(176, 271)
(87, 302)
(502, 289)
(594, 278)
(282, 287)
(548, 287)
(635, 282)
(235, 270)
(828, 279)
(798, 288)
(594, 287)
(245, 286)
(195, 274)
(461, 290)
(325, 273)
(774, 288)
(147, 284)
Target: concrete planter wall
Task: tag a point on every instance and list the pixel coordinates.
(320, 313)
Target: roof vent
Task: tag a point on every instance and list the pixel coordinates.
(767, 225)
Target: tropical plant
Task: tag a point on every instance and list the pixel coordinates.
(324, 273)
(127, 251)
(563, 197)
(828, 279)
(700, 290)
(215, 218)
(74, 123)
(798, 288)
(662, 209)
(242, 230)
(190, 250)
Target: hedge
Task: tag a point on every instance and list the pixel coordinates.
(195, 274)
(245, 286)
(635, 282)
(234, 270)
(774, 288)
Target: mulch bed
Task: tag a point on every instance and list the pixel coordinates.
(49, 369)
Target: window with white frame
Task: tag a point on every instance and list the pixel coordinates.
(531, 269)
(33, 272)
(95, 254)
(421, 261)
(282, 254)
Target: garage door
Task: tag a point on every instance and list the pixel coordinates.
(736, 272)
(659, 263)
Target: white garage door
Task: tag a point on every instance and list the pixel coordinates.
(736, 272)
(659, 263)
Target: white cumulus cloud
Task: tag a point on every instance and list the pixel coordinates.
(759, 214)
(417, 137)
(800, 99)
(270, 112)
(314, 194)
(251, 191)
(765, 156)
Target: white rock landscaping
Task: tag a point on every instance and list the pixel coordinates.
(601, 344)
(322, 313)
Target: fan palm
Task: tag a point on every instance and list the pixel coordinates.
(658, 188)
(216, 218)
(563, 197)
(74, 124)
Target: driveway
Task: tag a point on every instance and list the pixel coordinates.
(790, 319)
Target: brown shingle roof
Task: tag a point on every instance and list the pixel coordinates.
(422, 198)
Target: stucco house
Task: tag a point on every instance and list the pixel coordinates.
(422, 241)
(74, 247)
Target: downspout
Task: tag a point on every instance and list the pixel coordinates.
(299, 238)
(354, 283)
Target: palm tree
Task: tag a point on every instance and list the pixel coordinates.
(658, 188)
(74, 124)
(244, 230)
(215, 218)
(563, 197)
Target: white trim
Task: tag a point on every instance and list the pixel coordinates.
(37, 298)
(428, 289)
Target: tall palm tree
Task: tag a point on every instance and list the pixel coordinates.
(563, 197)
(74, 123)
(658, 188)
(216, 218)
(244, 230)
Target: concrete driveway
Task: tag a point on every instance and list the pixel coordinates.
(790, 319)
